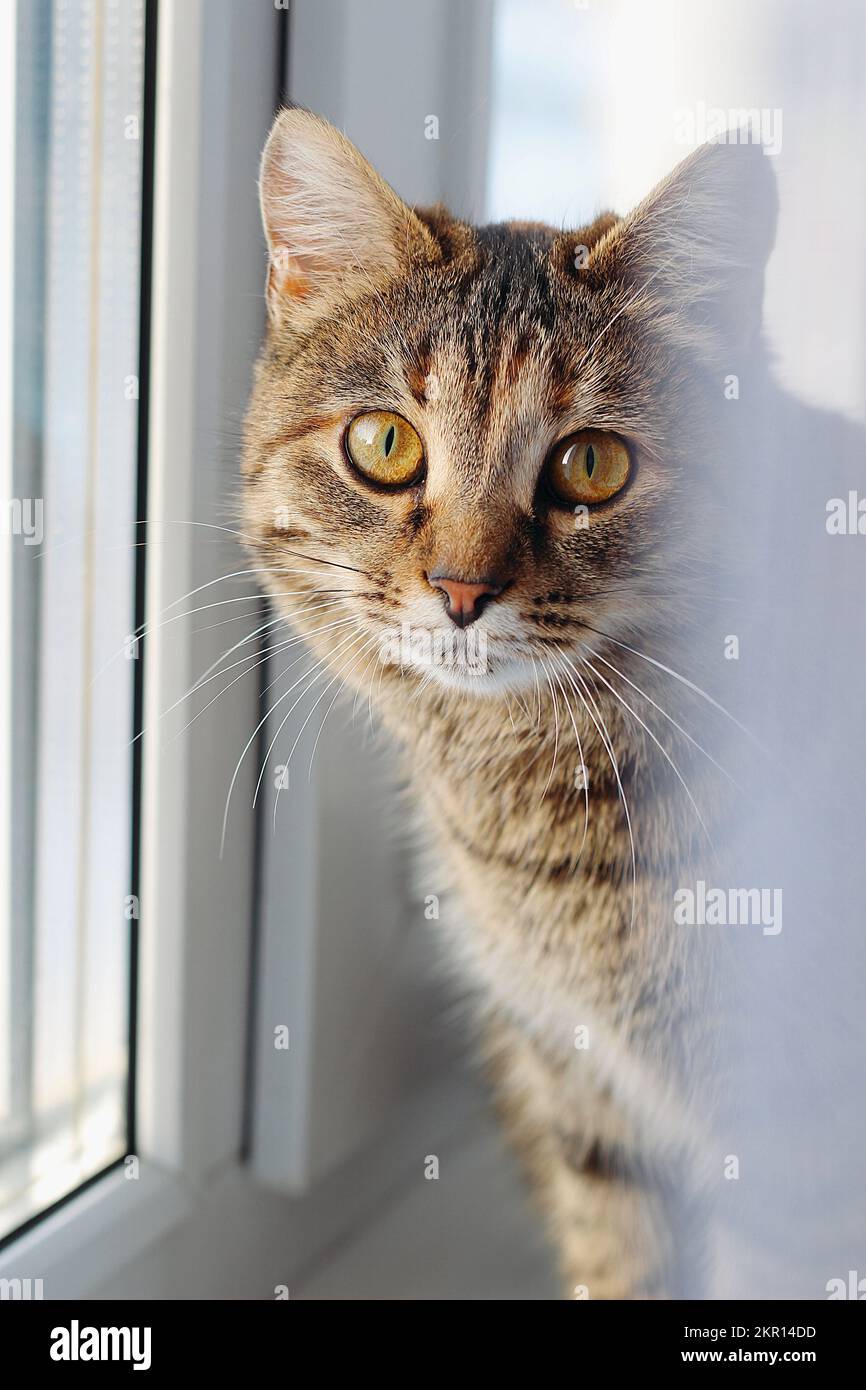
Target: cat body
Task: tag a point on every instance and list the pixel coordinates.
(559, 781)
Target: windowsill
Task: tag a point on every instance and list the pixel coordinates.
(94, 1234)
(69, 1150)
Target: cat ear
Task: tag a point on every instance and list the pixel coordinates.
(698, 245)
(329, 219)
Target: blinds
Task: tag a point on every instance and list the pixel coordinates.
(68, 672)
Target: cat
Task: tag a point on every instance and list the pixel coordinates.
(484, 469)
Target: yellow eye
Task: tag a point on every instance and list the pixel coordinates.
(385, 448)
(588, 467)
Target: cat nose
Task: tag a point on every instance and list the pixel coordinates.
(466, 598)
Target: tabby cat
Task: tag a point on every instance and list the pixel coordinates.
(486, 470)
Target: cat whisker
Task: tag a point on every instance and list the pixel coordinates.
(219, 579)
(271, 649)
(537, 692)
(685, 733)
(350, 641)
(140, 521)
(147, 628)
(312, 670)
(242, 598)
(522, 703)
(356, 656)
(686, 592)
(656, 741)
(379, 685)
(336, 695)
(370, 697)
(250, 637)
(255, 657)
(334, 564)
(224, 622)
(555, 729)
(144, 628)
(255, 732)
(139, 633)
(426, 679)
(696, 689)
(604, 735)
(363, 685)
(309, 607)
(253, 662)
(582, 764)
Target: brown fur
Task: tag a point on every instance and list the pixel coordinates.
(493, 344)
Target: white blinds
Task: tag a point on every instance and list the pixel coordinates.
(78, 121)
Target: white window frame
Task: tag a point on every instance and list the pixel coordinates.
(217, 70)
(7, 269)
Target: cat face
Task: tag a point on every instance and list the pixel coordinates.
(470, 449)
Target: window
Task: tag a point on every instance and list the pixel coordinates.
(70, 208)
(546, 112)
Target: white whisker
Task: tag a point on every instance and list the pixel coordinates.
(316, 667)
(682, 679)
(582, 764)
(252, 737)
(555, 729)
(655, 740)
(603, 734)
(685, 733)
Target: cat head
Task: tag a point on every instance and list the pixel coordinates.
(470, 448)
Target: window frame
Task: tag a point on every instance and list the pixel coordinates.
(54, 599)
(215, 78)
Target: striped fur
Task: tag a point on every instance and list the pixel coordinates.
(495, 343)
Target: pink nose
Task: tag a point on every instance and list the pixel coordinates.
(465, 599)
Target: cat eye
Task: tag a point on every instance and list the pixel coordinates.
(588, 467)
(385, 448)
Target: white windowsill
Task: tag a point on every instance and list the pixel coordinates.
(85, 1241)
